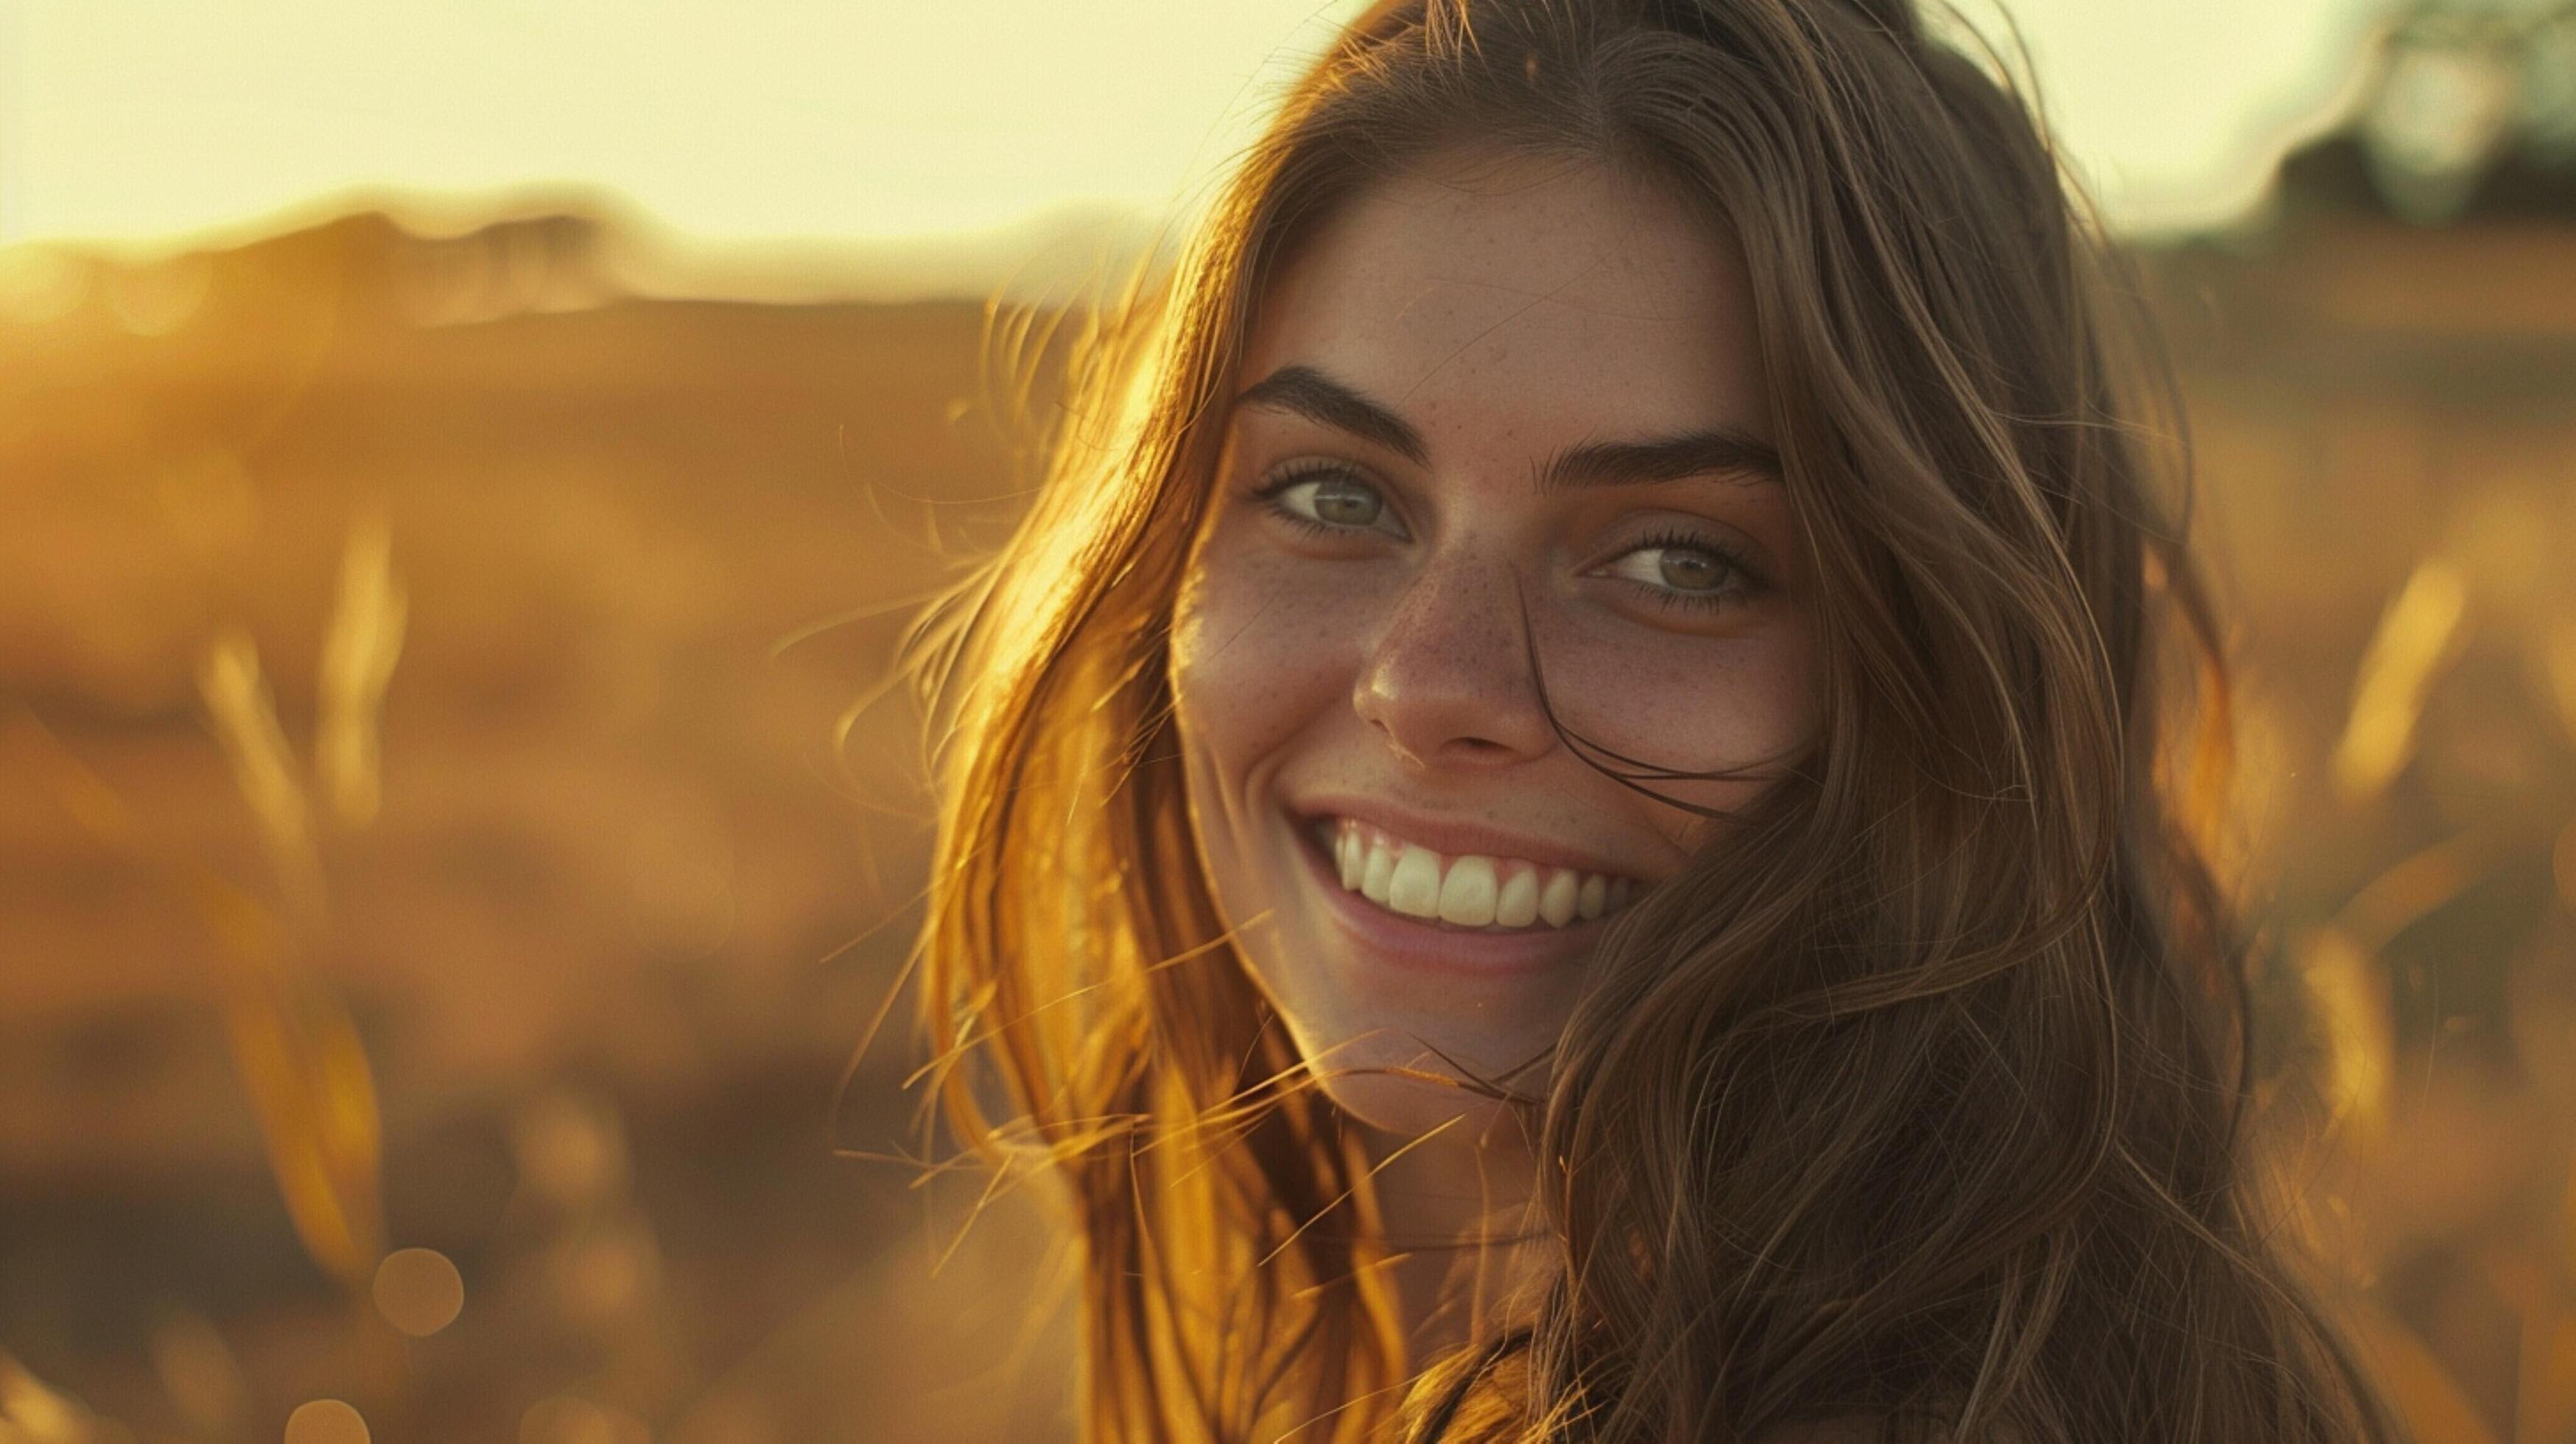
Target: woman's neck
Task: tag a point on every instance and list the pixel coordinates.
(1459, 1213)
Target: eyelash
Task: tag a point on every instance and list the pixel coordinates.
(1744, 579)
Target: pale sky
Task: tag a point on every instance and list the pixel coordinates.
(762, 121)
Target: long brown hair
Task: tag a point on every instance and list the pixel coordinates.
(1917, 1105)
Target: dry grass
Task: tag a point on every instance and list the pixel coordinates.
(440, 916)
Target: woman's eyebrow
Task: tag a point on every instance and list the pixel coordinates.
(1714, 451)
(1319, 398)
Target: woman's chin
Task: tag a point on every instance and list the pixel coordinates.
(1404, 1105)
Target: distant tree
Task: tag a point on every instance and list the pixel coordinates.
(2472, 108)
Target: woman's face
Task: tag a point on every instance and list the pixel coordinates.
(1484, 413)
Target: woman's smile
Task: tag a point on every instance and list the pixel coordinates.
(1378, 935)
(1471, 890)
(1404, 902)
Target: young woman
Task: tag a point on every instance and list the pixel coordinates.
(1557, 824)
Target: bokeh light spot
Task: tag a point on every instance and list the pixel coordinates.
(326, 1421)
(158, 300)
(419, 1291)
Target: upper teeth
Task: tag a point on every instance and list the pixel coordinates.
(1470, 889)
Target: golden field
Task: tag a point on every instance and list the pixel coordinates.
(454, 832)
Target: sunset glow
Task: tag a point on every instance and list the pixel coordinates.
(138, 121)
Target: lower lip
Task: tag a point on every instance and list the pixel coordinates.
(1413, 944)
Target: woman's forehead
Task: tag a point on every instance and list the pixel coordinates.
(1543, 299)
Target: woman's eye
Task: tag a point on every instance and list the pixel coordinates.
(1686, 572)
(1332, 500)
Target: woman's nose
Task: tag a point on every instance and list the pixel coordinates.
(1448, 681)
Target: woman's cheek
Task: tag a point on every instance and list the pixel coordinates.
(1691, 703)
(1253, 675)
(1262, 646)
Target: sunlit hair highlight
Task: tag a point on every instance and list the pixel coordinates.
(1915, 1107)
